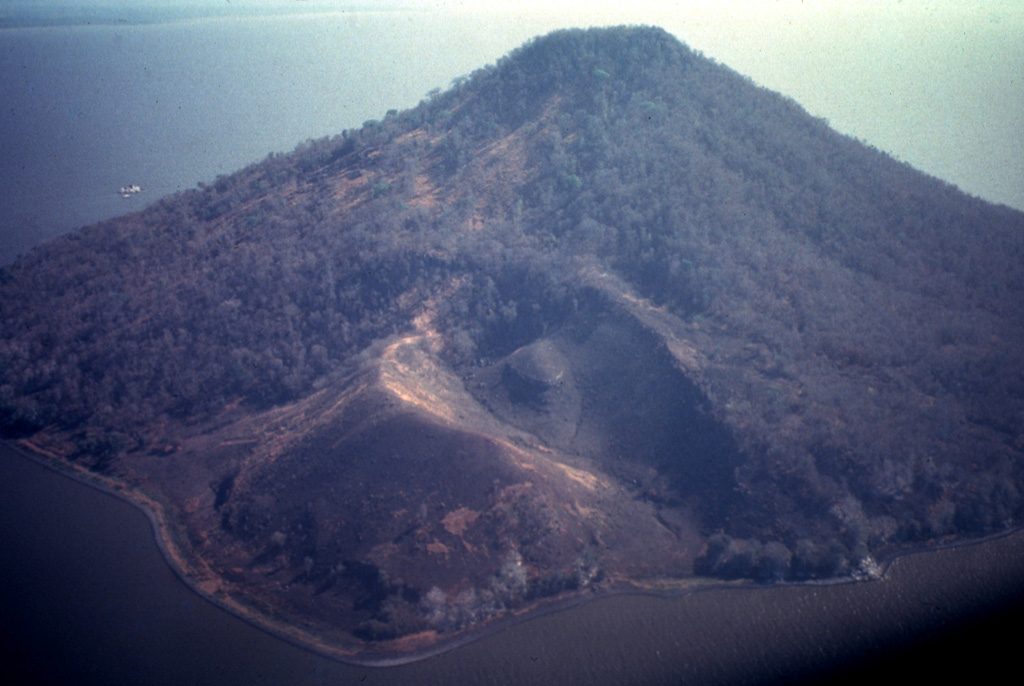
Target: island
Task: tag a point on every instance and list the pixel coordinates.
(603, 316)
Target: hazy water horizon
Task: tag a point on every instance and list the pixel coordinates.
(167, 105)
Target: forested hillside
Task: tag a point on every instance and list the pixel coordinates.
(764, 332)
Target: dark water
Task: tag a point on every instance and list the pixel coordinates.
(86, 598)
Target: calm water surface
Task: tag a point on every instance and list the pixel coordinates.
(86, 598)
(89, 109)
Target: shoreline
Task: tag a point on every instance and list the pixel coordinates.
(428, 644)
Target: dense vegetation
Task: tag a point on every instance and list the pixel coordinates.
(861, 320)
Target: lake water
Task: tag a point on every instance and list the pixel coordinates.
(88, 109)
(86, 598)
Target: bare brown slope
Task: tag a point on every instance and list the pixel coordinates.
(396, 503)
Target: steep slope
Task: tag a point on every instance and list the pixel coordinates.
(602, 313)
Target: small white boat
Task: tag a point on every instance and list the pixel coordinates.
(129, 191)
